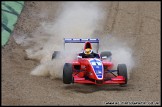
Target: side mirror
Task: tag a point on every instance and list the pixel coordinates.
(79, 57)
(104, 57)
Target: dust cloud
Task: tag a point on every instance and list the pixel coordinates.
(122, 53)
(74, 20)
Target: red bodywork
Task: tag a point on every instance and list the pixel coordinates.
(86, 70)
(83, 71)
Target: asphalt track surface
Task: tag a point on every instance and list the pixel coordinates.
(138, 21)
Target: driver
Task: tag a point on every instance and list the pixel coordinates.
(88, 53)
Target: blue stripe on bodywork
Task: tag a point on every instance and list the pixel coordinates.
(97, 66)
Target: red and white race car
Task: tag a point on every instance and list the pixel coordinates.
(94, 70)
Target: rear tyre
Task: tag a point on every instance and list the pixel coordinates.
(54, 55)
(122, 71)
(67, 74)
(106, 53)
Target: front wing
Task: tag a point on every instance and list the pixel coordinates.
(114, 80)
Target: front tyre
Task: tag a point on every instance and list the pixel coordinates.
(67, 74)
(122, 71)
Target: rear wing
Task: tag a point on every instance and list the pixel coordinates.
(77, 40)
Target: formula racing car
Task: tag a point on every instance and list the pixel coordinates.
(94, 69)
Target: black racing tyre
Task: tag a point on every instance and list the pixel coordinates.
(105, 53)
(122, 71)
(67, 74)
